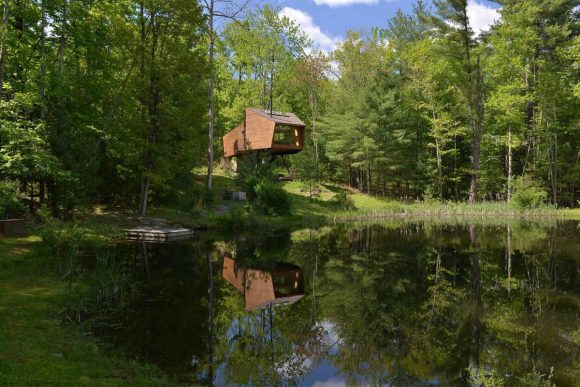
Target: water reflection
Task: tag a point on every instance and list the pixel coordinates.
(379, 304)
(283, 285)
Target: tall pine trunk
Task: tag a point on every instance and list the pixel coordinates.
(510, 165)
(573, 196)
(153, 110)
(211, 96)
(478, 132)
(144, 193)
(63, 37)
(42, 87)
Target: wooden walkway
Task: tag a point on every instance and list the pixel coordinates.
(157, 234)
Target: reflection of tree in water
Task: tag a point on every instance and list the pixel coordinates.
(401, 305)
(162, 324)
(418, 306)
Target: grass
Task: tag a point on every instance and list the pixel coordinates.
(35, 347)
(370, 207)
(571, 213)
(320, 210)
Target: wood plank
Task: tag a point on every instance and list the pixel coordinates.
(259, 131)
(157, 233)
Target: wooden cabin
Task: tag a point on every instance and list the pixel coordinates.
(282, 286)
(279, 133)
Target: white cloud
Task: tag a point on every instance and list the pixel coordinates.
(333, 382)
(321, 40)
(341, 3)
(481, 16)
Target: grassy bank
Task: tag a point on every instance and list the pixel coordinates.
(36, 348)
(219, 213)
(322, 209)
(365, 206)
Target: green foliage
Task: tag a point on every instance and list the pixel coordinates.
(10, 204)
(480, 377)
(528, 193)
(536, 379)
(237, 219)
(343, 201)
(271, 199)
(249, 186)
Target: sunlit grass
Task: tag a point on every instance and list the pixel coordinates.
(572, 213)
(366, 206)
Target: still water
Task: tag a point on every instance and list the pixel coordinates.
(390, 304)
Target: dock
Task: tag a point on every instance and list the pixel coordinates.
(158, 234)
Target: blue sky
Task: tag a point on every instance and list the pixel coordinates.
(326, 21)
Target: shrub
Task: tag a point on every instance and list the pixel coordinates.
(343, 201)
(271, 199)
(249, 186)
(481, 377)
(9, 203)
(528, 193)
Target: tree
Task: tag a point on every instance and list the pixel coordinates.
(230, 11)
(455, 30)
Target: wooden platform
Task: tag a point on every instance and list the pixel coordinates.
(158, 234)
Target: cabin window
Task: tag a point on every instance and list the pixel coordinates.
(286, 135)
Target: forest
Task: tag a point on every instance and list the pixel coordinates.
(120, 101)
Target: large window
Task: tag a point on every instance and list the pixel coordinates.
(286, 135)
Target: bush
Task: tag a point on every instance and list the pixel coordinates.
(528, 193)
(343, 201)
(249, 186)
(9, 203)
(271, 199)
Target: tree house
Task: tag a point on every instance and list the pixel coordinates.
(279, 133)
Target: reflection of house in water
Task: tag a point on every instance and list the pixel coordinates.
(282, 285)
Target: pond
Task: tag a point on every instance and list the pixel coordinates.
(379, 304)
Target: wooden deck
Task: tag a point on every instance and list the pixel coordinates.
(158, 234)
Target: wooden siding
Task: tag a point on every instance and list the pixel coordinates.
(257, 133)
(234, 142)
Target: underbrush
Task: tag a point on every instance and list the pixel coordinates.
(87, 262)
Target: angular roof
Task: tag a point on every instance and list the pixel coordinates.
(280, 117)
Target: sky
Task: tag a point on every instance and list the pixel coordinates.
(326, 21)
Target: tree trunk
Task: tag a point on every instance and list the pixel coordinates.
(478, 133)
(509, 256)
(143, 197)
(3, 45)
(554, 171)
(439, 169)
(437, 148)
(314, 103)
(42, 88)
(456, 181)
(573, 194)
(63, 37)
(211, 95)
(154, 98)
(510, 166)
